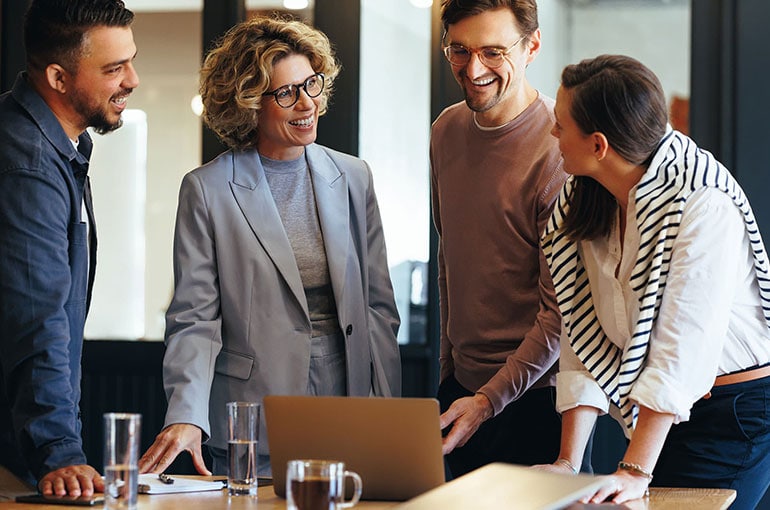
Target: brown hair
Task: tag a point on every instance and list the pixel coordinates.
(237, 72)
(619, 97)
(525, 12)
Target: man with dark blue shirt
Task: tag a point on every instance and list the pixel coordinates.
(79, 74)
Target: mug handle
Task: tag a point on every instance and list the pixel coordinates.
(356, 492)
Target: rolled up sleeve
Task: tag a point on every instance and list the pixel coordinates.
(575, 386)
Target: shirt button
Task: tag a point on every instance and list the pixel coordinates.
(349, 330)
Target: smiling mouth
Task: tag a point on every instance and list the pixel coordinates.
(120, 100)
(482, 82)
(306, 122)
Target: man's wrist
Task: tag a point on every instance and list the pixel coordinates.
(489, 409)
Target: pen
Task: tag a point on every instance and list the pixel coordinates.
(163, 477)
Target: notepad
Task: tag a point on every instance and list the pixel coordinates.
(150, 484)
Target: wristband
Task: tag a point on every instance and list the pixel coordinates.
(635, 469)
(566, 463)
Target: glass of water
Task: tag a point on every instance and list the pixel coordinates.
(121, 460)
(242, 441)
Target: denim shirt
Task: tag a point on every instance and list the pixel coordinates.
(45, 284)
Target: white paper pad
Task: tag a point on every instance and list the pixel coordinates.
(150, 484)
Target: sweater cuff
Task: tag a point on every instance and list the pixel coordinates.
(497, 390)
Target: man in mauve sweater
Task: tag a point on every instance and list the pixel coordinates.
(496, 172)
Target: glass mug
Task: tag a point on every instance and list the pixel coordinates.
(319, 485)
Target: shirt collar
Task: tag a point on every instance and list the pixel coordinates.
(49, 125)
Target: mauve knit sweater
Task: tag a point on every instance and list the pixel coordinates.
(492, 193)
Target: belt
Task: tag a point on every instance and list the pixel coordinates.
(740, 377)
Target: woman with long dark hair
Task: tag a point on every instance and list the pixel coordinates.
(662, 280)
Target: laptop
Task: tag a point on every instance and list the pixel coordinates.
(499, 485)
(393, 443)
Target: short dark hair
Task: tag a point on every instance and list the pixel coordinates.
(619, 97)
(54, 29)
(525, 12)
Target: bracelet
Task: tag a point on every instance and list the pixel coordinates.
(567, 464)
(635, 469)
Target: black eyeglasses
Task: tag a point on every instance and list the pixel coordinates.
(288, 95)
(490, 56)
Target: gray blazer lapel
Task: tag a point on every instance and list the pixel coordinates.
(253, 195)
(331, 194)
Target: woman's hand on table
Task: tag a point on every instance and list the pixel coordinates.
(172, 441)
(620, 487)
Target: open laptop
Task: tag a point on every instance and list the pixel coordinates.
(499, 485)
(393, 443)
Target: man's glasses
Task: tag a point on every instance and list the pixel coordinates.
(288, 95)
(492, 57)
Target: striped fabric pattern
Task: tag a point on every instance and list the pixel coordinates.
(678, 168)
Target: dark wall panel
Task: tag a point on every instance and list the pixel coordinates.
(218, 17)
(752, 106)
(11, 41)
(341, 22)
(729, 99)
(125, 376)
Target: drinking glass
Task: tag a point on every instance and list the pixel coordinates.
(121, 460)
(243, 439)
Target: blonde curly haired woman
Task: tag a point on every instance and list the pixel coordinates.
(281, 276)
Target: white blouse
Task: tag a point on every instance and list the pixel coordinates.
(710, 320)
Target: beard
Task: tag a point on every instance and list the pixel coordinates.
(479, 103)
(103, 126)
(96, 116)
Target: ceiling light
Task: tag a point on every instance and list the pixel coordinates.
(295, 4)
(197, 105)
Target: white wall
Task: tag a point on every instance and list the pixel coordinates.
(168, 59)
(655, 32)
(543, 73)
(394, 118)
(117, 172)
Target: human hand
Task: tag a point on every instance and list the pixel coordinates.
(619, 487)
(172, 441)
(556, 467)
(78, 480)
(465, 415)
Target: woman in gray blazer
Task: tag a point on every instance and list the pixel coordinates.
(280, 272)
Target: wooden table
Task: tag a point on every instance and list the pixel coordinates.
(660, 499)
(672, 499)
(207, 500)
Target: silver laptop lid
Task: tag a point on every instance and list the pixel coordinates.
(499, 485)
(393, 443)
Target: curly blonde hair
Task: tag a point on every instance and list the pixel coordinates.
(236, 73)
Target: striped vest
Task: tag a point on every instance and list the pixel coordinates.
(678, 168)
